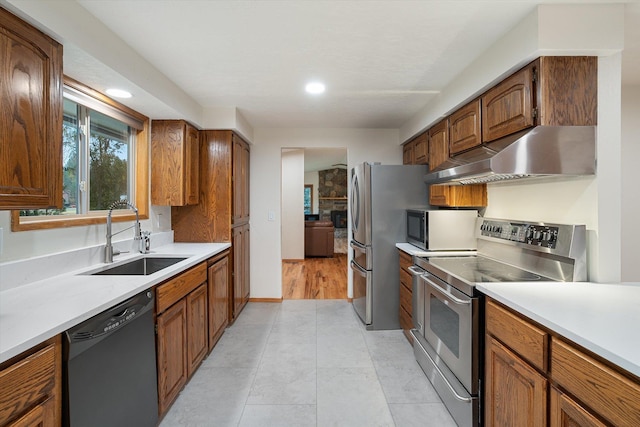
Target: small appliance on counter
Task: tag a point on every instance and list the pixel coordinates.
(442, 230)
(448, 336)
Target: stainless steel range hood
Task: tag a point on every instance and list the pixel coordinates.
(543, 151)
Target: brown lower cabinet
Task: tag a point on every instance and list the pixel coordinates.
(218, 279)
(182, 328)
(31, 387)
(240, 244)
(534, 377)
(406, 294)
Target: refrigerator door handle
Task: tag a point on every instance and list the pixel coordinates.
(355, 203)
(356, 268)
(357, 246)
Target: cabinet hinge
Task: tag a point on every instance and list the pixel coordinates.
(535, 113)
(156, 328)
(535, 75)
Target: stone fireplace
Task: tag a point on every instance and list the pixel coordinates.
(332, 203)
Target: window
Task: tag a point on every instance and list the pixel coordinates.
(308, 198)
(104, 159)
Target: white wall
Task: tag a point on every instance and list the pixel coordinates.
(630, 183)
(362, 145)
(313, 178)
(292, 204)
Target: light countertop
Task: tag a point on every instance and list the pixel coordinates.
(603, 318)
(35, 312)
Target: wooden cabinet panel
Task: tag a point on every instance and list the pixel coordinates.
(568, 90)
(240, 181)
(465, 128)
(31, 116)
(458, 195)
(174, 163)
(172, 354)
(31, 388)
(609, 393)
(178, 287)
(218, 278)
(516, 394)
(197, 328)
(529, 341)
(564, 412)
(406, 294)
(421, 149)
(508, 106)
(438, 144)
(240, 283)
(408, 153)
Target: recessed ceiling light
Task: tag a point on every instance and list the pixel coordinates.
(314, 88)
(118, 93)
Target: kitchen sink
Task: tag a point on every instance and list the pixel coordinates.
(138, 267)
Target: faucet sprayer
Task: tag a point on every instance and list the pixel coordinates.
(109, 251)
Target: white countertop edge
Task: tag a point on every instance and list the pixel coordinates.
(416, 251)
(14, 341)
(567, 331)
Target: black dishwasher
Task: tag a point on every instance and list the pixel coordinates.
(110, 367)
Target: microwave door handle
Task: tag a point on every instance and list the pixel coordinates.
(445, 293)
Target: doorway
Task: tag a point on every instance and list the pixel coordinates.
(314, 188)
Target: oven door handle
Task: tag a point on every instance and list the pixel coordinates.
(416, 271)
(435, 365)
(446, 294)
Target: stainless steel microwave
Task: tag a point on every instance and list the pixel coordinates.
(442, 230)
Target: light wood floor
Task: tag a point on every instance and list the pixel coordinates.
(315, 278)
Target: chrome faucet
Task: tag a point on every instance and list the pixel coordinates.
(109, 252)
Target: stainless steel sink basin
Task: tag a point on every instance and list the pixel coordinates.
(138, 267)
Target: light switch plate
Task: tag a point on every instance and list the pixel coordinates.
(272, 216)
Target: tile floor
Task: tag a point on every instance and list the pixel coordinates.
(308, 363)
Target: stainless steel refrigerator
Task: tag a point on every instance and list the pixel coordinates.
(380, 194)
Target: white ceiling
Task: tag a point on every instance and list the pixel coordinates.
(382, 61)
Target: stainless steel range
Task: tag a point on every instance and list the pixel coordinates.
(448, 338)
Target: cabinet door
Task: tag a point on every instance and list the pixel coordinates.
(464, 128)
(42, 415)
(197, 328)
(192, 185)
(218, 277)
(508, 107)
(564, 412)
(172, 354)
(174, 163)
(240, 268)
(421, 149)
(438, 144)
(240, 180)
(407, 153)
(516, 394)
(31, 116)
(245, 264)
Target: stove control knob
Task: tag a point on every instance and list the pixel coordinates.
(537, 235)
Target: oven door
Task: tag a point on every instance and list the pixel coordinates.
(451, 327)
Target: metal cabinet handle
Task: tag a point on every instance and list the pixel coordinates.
(446, 294)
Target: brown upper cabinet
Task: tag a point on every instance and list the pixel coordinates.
(550, 91)
(416, 151)
(31, 116)
(438, 144)
(465, 128)
(174, 163)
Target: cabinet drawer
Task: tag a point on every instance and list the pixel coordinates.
(28, 381)
(172, 291)
(405, 260)
(529, 341)
(608, 392)
(406, 279)
(405, 299)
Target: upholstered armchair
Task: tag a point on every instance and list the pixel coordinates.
(318, 238)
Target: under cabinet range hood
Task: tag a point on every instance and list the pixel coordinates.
(543, 151)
